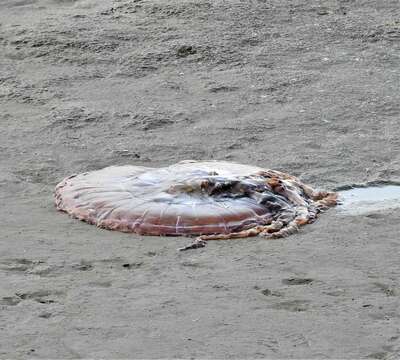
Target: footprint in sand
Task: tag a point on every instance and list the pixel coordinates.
(297, 281)
(292, 305)
(10, 300)
(41, 296)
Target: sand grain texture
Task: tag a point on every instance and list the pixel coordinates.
(306, 87)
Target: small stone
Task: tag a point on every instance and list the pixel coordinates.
(266, 292)
(185, 50)
(45, 315)
(132, 265)
(322, 12)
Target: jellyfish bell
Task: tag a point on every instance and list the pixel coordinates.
(210, 199)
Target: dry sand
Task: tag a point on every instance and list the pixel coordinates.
(307, 87)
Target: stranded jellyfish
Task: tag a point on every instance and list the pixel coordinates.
(211, 199)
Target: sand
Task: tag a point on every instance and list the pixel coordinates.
(306, 87)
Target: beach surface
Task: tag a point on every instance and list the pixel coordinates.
(310, 88)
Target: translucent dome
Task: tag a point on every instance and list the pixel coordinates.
(214, 199)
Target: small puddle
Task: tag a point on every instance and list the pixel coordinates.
(368, 199)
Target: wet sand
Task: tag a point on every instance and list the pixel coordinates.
(310, 88)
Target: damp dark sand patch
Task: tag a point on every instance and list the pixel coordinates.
(369, 198)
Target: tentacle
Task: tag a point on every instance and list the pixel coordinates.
(325, 200)
(202, 239)
(234, 235)
(286, 224)
(302, 217)
(289, 229)
(290, 219)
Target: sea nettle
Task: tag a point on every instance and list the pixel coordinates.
(211, 199)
